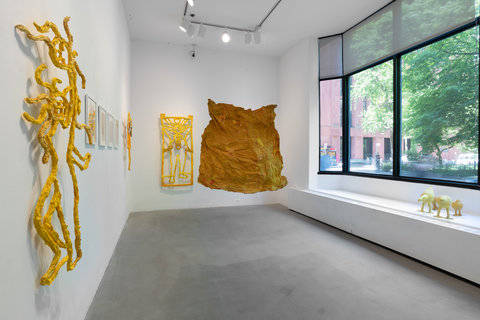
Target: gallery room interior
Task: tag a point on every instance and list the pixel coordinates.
(173, 159)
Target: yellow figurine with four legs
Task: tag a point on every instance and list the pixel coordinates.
(443, 202)
(427, 197)
(458, 206)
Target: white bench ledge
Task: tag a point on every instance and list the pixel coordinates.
(466, 222)
(451, 245)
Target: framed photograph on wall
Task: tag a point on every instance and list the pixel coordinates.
(91, 119)
(111, 124)
(102, 127)
(116, 133)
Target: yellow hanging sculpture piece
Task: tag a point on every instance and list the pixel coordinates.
(241, 150)
(177, 149)
(59, 107)
(129, 139)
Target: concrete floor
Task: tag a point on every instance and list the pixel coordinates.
(266, 262)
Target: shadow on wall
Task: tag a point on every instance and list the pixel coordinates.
(46, 298)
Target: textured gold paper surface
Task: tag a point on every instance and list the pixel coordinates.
(241, 150)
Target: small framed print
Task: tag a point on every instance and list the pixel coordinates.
(102, 127)
(115, 135)
(111, 124)
(91, 119)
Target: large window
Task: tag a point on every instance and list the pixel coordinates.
(440, 109)
(413, 116)
(371, 119)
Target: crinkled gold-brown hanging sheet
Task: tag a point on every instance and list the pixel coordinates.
(241, 150)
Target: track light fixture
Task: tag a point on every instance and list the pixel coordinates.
(201, 31)
(257, 37)
(225, 36)
(191, 30)
(248, 37)
(184, 25)
(189, 26)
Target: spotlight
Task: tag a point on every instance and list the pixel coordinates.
(248, 37)
(191, 30)
(184, 25)
(225, 36)
(257, 37)
(201, 31)
(190, 2)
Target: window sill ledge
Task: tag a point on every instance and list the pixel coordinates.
(467, 222)
(451, 245)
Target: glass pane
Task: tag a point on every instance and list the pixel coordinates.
(440, 110)
(401, 25)
(424, 19)
(331, 125)
(330, 55)
(369, 41)
(371, 120)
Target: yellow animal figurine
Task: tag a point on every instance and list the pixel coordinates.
(427, 197)
(458, 206)
(443, 202)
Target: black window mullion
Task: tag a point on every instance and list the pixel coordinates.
(346, 125)
(477, 22)
(319, 125)
(397, 115)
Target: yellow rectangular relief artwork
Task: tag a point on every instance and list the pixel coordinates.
(177, 149)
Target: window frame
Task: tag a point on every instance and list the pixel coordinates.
(342, 78)
(349, 111)
(397, 125)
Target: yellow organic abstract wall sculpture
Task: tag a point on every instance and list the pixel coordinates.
(241, 150)
(59, 107)
(129, 139)
(177, 149)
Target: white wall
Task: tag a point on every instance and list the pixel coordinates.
(102, 42)
(165, 79)
(298, 117)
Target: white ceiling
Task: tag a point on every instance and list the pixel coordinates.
(291, 21)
